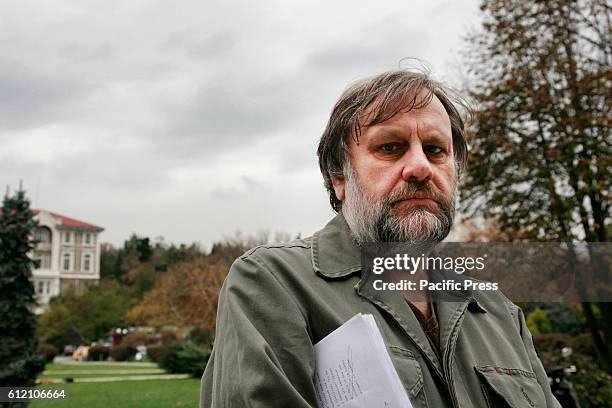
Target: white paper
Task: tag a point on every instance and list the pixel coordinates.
(353, 368)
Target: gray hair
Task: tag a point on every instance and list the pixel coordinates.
(374, 100)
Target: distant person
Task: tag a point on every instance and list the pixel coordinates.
(391, 156)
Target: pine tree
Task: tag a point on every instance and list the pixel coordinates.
(20, 363)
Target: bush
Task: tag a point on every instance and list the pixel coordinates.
(538, 322)
(156, 351)
(98, 353)
(135, 339)
(185, 358)
(167, 337)
(563, 318)
(123, 353)
(48, 351)
(201, 337)
(593, 385)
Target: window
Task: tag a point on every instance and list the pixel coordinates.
(66, 237)
(86, 262)
(47, 287)
(40, 287)
(42, 235)
(45, 260)
(66, 262)
(88, 238)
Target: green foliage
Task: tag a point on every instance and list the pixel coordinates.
(182, 253)
(201, 337)
(121, 394)
(186, 358)
(82, 318)
(142, 280)
(20, 362)
(596, 313)
(538, 323)
(592, 384)
(140, 246)
(564, 319)
(110, 262)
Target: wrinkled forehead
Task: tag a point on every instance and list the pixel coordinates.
(384, 107)
(387, 105)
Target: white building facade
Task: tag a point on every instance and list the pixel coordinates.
(68, 251)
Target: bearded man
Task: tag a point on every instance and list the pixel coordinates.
(391, 156)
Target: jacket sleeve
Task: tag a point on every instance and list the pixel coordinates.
(536, 364)
(262, 355)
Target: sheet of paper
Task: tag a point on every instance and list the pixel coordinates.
(353, 368)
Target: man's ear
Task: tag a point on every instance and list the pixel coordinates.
(339, 184)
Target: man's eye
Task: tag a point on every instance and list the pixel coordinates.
(389, 148)
(433, 150)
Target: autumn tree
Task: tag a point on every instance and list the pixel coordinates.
(186, 293)
(539, 74)
(186, 296)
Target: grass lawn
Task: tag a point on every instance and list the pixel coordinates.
(128, 394)
(86, 370)
(100, 366)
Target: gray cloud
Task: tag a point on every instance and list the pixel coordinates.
(79, 53)
(196, 119)
(30, 97)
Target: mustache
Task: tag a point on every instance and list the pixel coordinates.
(418, 189)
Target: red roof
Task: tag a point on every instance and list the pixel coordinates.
(67, 221)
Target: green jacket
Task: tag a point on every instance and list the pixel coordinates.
(279, 300)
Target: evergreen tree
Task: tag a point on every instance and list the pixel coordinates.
(20, 363)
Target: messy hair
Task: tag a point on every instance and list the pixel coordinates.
(374, 100)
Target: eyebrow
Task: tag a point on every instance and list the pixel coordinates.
(434, 136)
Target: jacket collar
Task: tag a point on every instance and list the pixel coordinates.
(334, 253)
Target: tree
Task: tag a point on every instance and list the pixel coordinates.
(538, 322)
(539, 73)
(20, 363)
(110, 261)
(186, 296)
(82, 318)
(140, 246)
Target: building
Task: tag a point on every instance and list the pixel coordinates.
(69, 254)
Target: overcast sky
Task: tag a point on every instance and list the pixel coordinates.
(192, 120)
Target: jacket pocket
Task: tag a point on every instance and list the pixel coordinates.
(409, 371)
(510, 387)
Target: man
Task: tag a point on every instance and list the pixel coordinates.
(391, 156)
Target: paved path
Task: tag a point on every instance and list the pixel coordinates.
(119, 378)
(145, 371)
(69, 361)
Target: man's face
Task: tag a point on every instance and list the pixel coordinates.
(400, 184)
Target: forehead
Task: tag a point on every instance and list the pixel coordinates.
(426, 116)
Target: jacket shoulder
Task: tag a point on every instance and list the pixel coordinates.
(296, 247)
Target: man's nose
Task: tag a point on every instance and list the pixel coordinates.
(416, 165)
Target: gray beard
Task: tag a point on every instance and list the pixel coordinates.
(373, 221)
